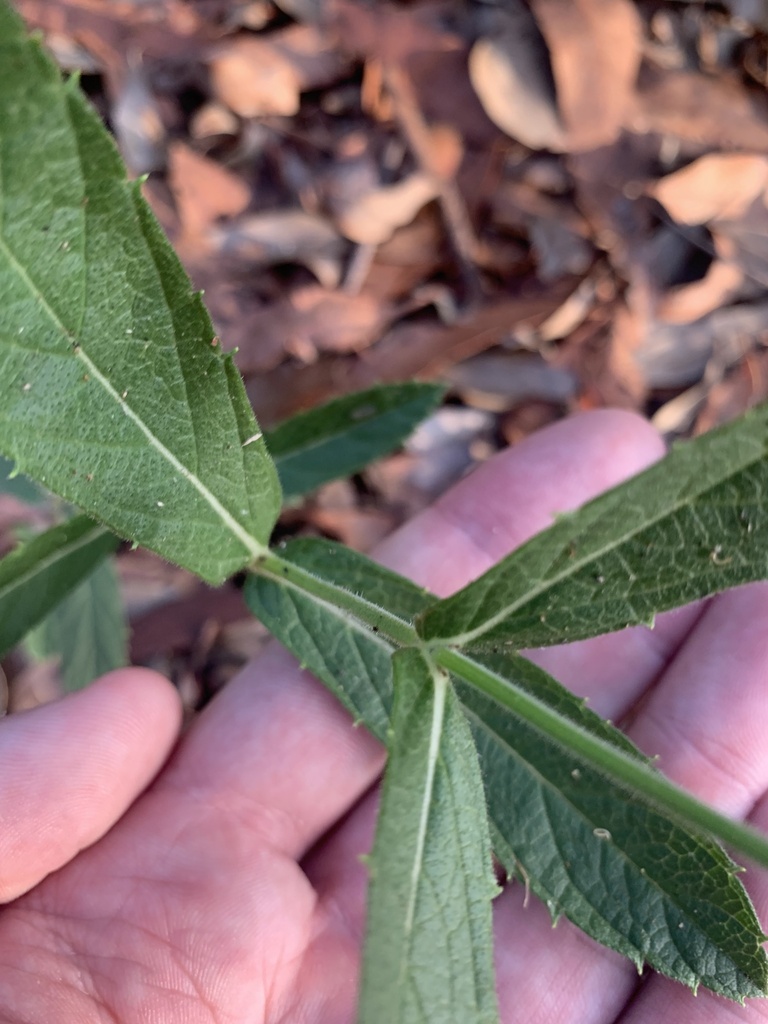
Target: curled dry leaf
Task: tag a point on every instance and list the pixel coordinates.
(717, 113)
(255, 80)
(514, 377)
(311, 320)
(257, 76)
(595, 50)
(282, 236)
(374, 217)
(510, 71)
(204, 190)
(564, 81)
(675, 355)
(332, 321)
(719, 186)
(719, 286)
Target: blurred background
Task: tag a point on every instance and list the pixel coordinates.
(548, 206)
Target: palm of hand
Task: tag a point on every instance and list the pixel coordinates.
(231, 891)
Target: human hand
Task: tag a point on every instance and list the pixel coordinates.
(230, 891)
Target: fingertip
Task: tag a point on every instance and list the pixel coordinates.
(140, 696)
(73, 767)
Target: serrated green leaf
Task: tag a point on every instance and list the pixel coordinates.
(429, 952)
(35, 576)
(86, 630)
(723, 949)
(113, 392)
(692, 525)
(346, 434)
(603, 856)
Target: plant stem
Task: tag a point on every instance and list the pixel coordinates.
(667, 797)
(623, 768)
(272, 566)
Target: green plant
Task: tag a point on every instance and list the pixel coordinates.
(114, 394)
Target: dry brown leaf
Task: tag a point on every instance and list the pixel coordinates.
(509, 70)
(108, 31)
(374, 217)
(719, 286)
(514, 377)
(717, 186)
(255, 80)
(675, 355)
(283, 236)
(443, 446)
(258, 76)
(411, 256)
(740, 390)
(717, 113)
(675, 417)
(595, 50)
(213, 119)
(203, 189)
(394, 34)
(332, 321)
(447, 151)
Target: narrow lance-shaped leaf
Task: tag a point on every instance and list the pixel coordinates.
(604, 856)
(86, 630)
(526, 781)
(113, 390)
(37, 575)
(346, 434)
(692, 525)
(429, 953)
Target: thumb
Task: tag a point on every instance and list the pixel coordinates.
(72, 768)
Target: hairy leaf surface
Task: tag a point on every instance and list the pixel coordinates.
(692, 525)
(86, 630)
(344, 435)
(351, 660)
(37, 575)
(604, 857)
(113, 391)
(428, 954)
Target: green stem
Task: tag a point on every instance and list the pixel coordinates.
(610, 760)
(272, 566)
(623, 768)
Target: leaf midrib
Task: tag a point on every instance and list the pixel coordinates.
(440, 687)
(464, 639)
(549, 786)
(249, 542)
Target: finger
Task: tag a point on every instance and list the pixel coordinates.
(70, 770)
(706, 719)
(275, 745)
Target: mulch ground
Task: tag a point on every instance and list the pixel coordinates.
(550, 206)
